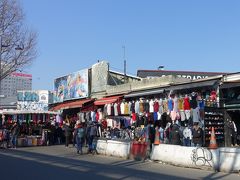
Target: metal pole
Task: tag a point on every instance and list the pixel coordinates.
(0, 71)
(125, 65)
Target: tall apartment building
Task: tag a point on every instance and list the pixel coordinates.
(9, 87)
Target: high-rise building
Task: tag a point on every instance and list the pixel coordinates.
(9, 87)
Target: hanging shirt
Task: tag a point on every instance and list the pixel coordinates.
(175, 104)
(151, 106)
(129, 107)
(137, 107)
(193, 102)
(118, 108)
(141, 107)
(108, 109)
(170, 104)
(186, 103)
(126, 108)
(122, 108)
(180, 104)
(134, 116)
(132, 109)
(115, 109)
(156, 106)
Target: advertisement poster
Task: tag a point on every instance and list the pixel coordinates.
(33, 100)
(72, 86)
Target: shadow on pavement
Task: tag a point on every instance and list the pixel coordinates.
(30, 165)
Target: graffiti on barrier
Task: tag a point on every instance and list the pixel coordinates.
(201, 156)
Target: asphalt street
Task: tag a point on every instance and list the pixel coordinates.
(60, 163)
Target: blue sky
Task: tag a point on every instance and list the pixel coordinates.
(179, 34)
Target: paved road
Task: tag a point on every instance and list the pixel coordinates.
(60, 163)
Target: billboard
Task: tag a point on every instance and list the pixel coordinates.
(32, 100)
(72, 86)
(99, 76)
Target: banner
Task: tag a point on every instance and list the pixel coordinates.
(72, 86)
(33, 100)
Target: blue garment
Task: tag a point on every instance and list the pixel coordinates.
(155, 116)
(170, 104)
(201, 104)
(79, 142)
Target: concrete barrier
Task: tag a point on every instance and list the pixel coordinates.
(118, 149)
(101, 146)
(229, 160)
(186, 156)
(222, 159)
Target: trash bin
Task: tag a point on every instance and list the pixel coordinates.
(138, 151)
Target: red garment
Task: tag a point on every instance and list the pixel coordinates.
(156, 106)
(213, 95)
(134, 116)
(97, 116)
(186, 105)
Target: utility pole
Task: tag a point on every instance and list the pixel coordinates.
(125, 65)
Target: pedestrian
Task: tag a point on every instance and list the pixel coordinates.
(80, 135)
(187, 135)
(15, 130)
(197, 135)
(93, 133)
(174, 135)
(232, 131)
(67, 132)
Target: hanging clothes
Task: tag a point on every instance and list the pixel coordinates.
(109, 109)
(126, 108)
(141, 107)
(129, 107)
(115, 109)
(122, 108)
(137, 107)
(132, 109)
(151, 106)
(170, 104)
(156, 106)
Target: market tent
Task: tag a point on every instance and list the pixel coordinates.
(107, 100)
(73, 104)
(196, 84)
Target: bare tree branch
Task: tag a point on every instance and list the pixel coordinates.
(13, 34)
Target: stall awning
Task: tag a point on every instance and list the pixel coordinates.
(193, 85)
(73, 104)
(144, 93)
(107, 100)
(229, 85)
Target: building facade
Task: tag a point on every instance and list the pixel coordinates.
(9, 87)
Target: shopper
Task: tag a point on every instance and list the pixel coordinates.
(175, 136)
(14, 134)
(197, 135)
(80, 135)
(67, 131)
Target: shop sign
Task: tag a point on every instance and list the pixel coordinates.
(33, 100)
(72, 86)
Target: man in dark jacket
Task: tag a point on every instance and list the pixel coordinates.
(175, 135)
(14, 133)
(67, 133)
(197, 135)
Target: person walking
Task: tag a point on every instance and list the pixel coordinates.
(80, 135)
(67, 133)
(14, 134)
